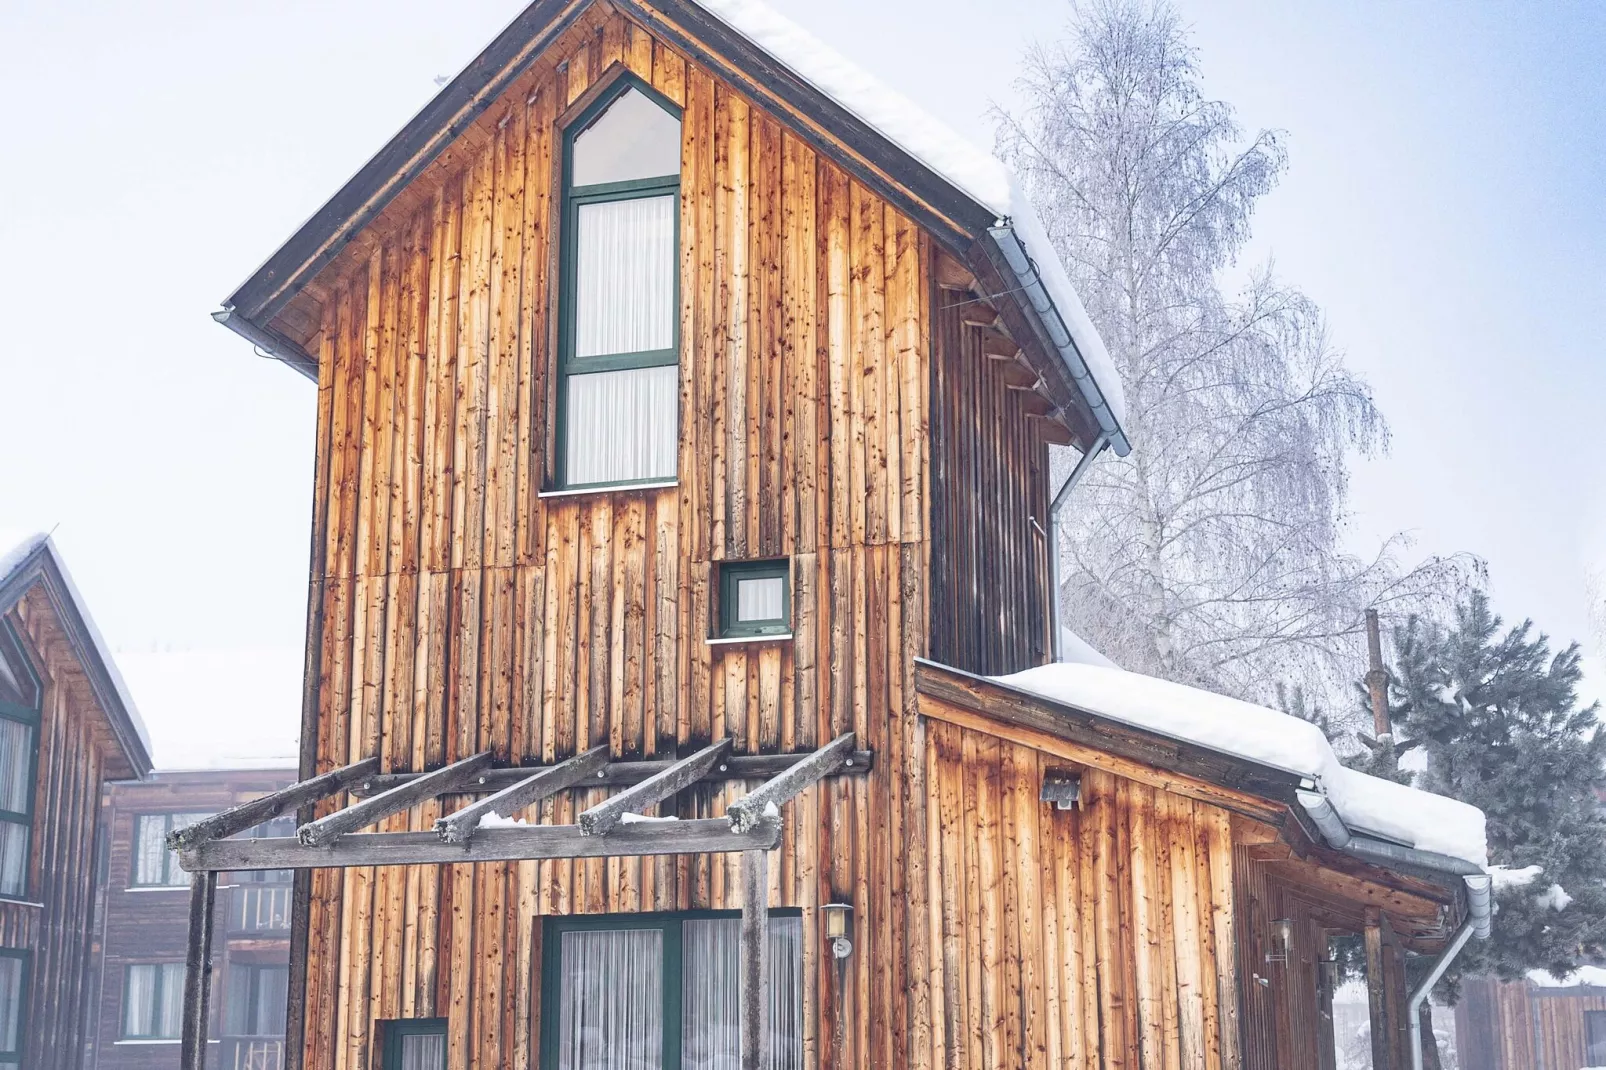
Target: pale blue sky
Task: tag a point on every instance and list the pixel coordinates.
(1446, 205)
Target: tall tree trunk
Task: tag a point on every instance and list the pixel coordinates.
(1430, 1043)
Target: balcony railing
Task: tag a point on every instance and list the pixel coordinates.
(251, 1053)
(259, 908)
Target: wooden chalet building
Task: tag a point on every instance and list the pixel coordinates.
(66, 726)
(684, 405)
(1537, 1023)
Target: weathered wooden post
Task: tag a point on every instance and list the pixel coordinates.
(198, 971)
(755, 957)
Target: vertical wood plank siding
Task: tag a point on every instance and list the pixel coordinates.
(55, 925)
(461, 611)
(1512, 1025)
(1074, 938)
(989, 565)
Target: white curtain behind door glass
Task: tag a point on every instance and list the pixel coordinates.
(10, 1002)
(711, 988)
(760, 599)
(622, 426)
(423, 1051)
(16, 762)
(625, 277)
(610, 1011)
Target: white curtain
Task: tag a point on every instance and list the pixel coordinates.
(153, 1006)
(711, 991)
(10, 1002)
(625, 277)
(423, 1051)
(170, 1012)
(150, 850)
(16, 763)
(610, 1011)
(760, 599)
(13, 859)
(622, 425)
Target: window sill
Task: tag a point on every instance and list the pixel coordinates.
(608, 488)
(19, 901)
(137, 1043)
(157, 888)
(778, 637)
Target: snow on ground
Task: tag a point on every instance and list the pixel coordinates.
(977, 174)
(1367, 804)
(218, 709)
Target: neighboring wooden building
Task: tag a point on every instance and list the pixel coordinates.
(66, 726)
(669, 406)
(137, 976)
(1522, 1025)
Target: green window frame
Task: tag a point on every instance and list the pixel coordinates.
(167, 982)
(396, 1030)
(574, 199)
(14, 881)
(731, 575)
(670, 925)
(14, 1015)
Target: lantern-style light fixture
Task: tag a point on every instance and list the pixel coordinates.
(1282, 939)
(838, 924)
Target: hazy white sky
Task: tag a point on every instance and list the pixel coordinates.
(1446, 205)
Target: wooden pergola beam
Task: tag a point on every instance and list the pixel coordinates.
(250, 814)
(460, 826)
(604, 817)
(501, 844)
(621, 774)
(359, 815)
(754, 962)
(746, 812)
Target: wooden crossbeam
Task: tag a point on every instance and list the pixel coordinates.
(250, 814)
(622, 774)
(502, 844)
(606, 815)
(459, 827)
(359, 815)
(746, 812)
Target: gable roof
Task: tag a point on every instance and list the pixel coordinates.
(963, 195)
(31, 558)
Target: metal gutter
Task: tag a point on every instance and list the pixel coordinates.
(1056, 641)
(1027, 279)
(1342, 838)
(1413, 1014)
(270, 342)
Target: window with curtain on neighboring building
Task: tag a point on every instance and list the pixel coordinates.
(20, 696)
(619, 386)
(154, 865)
(659, 992)
(153, 1001)
(1595, 1037)
(255, 1000)
(13, 1003)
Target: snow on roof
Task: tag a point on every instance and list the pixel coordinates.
(1075, 649)
(1367, 804)
(976, 173)
(17, 546)
(1584, 975)
(220, 709)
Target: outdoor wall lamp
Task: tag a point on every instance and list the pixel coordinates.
(838, 922)
(1282, 939)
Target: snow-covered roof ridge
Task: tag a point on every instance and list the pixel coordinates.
(1367, 804)
(976, 173)
(18, 546)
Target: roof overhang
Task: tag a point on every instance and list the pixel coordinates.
(42, 567)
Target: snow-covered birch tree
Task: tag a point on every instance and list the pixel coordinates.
(1213, 554)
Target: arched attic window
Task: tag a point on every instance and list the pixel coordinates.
(19, 752)
(619, 346)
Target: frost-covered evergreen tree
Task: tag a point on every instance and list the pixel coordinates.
(1498, 717)
(1212, 554)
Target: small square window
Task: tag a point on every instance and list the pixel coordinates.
(755, 598)
(414, 1044)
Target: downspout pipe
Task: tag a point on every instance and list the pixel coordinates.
(1413, 1013)
(1056, 641)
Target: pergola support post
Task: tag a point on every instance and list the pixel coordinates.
(754, 957)
(198, 971)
